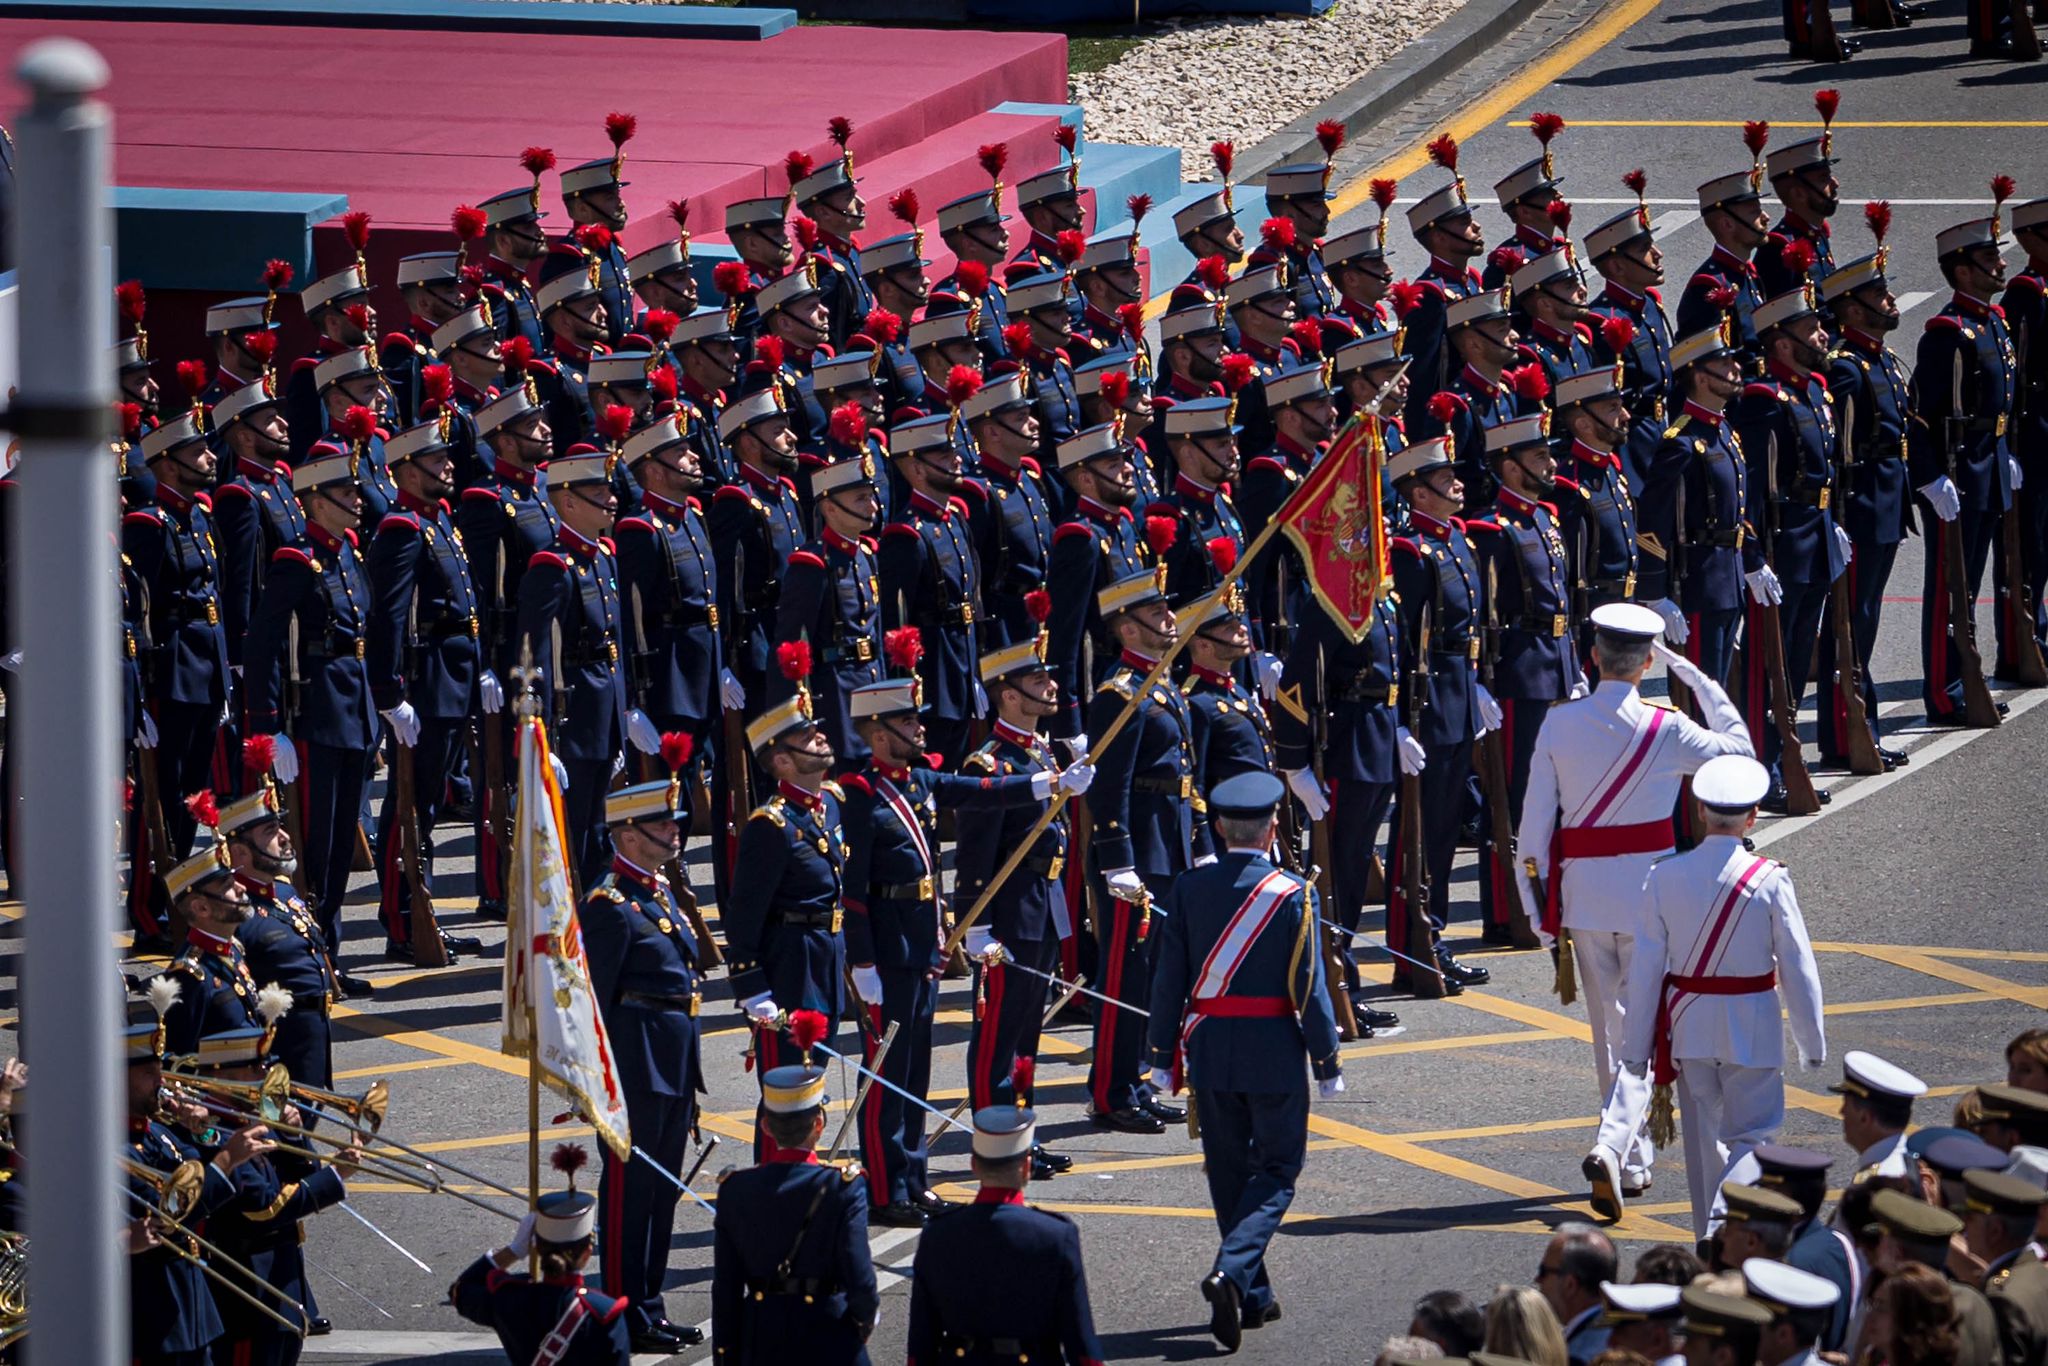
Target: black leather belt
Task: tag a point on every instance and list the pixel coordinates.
(1365, 689)
(1623, 587)
(689, 1004)
(861, 650)
(689, 615)
(810, 1287)
(924, 889)
(811, 920)
(1719, 540)
(1982, 426)
(962, 615)
(1552, 624)
(959, 1345)
(1180, 785)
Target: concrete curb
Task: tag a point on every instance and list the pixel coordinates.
(1413, 70)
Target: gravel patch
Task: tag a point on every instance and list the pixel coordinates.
(1203, 80)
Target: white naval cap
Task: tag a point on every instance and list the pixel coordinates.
(2029, 1164)
(1629, 620)
(1638, 1303)
(1786, 1289)
(1731, 782)
(1866, 1074)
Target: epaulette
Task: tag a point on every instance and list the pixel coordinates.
(1657, 702)
(1585, 333)
(2033, 282)
(394, 340)
(479, 494)
(868, 543)
(1265, 462)
(1821, 379)
(1568, 485)
(546, 557)
(981, 760)
(608, 545)
(857, 783)
(542, 365)
(285, 554)
(1675, 428)
(1027, 462)
(1765, 389)
(973, 486)
(832, 786)
(1998, 310)
(204, 499)
(1482, 525)
(240, 490)
(805, 558)
(731, 493)
(849, 1170)
(1704, 278)
(618, 1308)
(403, 520)
(902, 529)
(633, 524)
(306, 363)
(786, 482)
(1658, 295)
(1066, 531)
(959, 504)
(1432, 283)
(771, 810)
(1941, 321)
(1405, 543)
(150, 516)
(608, 889)
(1123, 683)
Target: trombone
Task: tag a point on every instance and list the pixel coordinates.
(177, 1194)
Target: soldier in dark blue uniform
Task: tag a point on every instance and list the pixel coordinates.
(1789, 438)
(1598, 515)
(832, 599)
(1732, 208)
(791, 1276)
(571, 625)
(972, 229)
(931, 578)
(2026, 316)
(1871, 395)
(1436, 576)
(1208, 537)
(755, 526)
(894, 269)
(515, 243)
(572, 314)
(1050, 202)
(1299, 195)
(1237, 1008)
(425, 652)
(1551, 292)
(941, 342)
(1693, 521)
(215, 988)
(254, 512)
(1304, 414)
(1958, 453)
(346, 382)
(1107, 279)
(170, 546)
(430, 285)
(311, 629)
(556, 1314)
(467, 346)
(1011, 512)
(831, 198)
(1207, 224)
(1526, 575)
(1526, 194)
(1232, 734)
(1443, 226)
(848, 388)
(758, 231)
(593, 193)
(1479, 339)
(229, 326)
(783, 921)
(1264, 309)
(1098, 547)
(337, 307)
(281, 940)
(1117, 390)
(1625, 252)
(897, 921)
(793, 313)
(997, 1281)
(1802, 175)
(1037, 338)
(645, 974)
(706, 355)
(1148, 829)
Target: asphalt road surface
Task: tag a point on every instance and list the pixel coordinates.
(1457, 1145)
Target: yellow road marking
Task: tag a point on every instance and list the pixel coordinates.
(1540, 1126)
(392, 1069)
(1374, 1050)
(1954, 998)
(2036, 997)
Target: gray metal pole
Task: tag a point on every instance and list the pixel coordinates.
(68, 714)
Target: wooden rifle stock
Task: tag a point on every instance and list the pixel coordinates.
(1800, 798)
(1492, 760)
(1337, 941)
(1426, 982)
(428, 948)
(1859, 745)
(2028, 666)
(1980, 712)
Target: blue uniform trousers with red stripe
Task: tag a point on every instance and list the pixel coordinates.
(1124, 972)
(637, 1204)
(892, 1139)
(1009, 1006)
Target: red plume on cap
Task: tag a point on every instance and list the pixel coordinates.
(356, 226)
(1444, 152)
(660, 324)
(1330, 136)
(1223, 554)
(1618, 333)
(1546, 125)
(1798, 256)
(1160, 533)
(993, 156)
(662, 384)
(676, 748)
(1132, 316)
(1224, 154)
(259, 752)
(1116, 388)
(133, 301)
(1038, 605)
(192, 377)
(1755, 134)
(537, 160)
(594, 238)
(840, 129)
(468, 221)
(1213, 272)
(904, 205)
(1308, 335)
(1067, 136)
(882, 325)
(903, 647)
(805, 230)
(1826, 102)
(359, 314)
(203, 808)
(972, 277)
(1635, 181)
(1877, 216)
(1722, 297)
(798, 165)
(850, 424)
(1560, 211)
(518, 354)
(437, 383)
(130, 417)
(2002, 187)
(262, 346)
(276, 274)
(1383, 192)
(568, 1159)
(793, 659)
(615, 423)
(1507, 258)
(1021, 1073)
(770, 352)
(1238, 369)
(1277, 233)
(1530, 382)
(1017, 338)
(963, 382)
(807, 1028)
(1070, 244)
(1444, 405)
(729, 278)
(620, 128)
(1138, 205)
(679, 214)
(359, 423)
(1406, 296)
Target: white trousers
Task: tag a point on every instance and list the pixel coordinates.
(1603, 958)
(1725, 1114)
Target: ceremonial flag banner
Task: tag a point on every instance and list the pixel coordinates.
(550, 1012)
(1334, 520)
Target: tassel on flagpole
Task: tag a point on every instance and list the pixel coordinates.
(1663, 1126)
(1567, 983)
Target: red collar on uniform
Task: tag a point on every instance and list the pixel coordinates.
(412, 502)
(1287, 444)
(809, 801)
(472, 395)
(171, 498)
(990, 464)
(695, 390)
(572, 539)
(898, 776)
(1627, 298)
(1362, 312)
(1133, 660)
(1098, 321)
(251, 469)
(323, 538)
(1545, 330)
(1258, 350)
(1698, 414)
(1094, 511)
(566, 350)
(1587, 455)
(1972, 305)
(250, 884)
(793, 1157)
(1429, 526)
(514, 474)
(1779, 370)
(924, 503)
(212, 943)
(845, 545)
(761, 480)
(1862, 341)
(1194, 489)
(1741, 265)
(630, 871)
(1792, 225)
(1515, 502)
(504, 270)
(1022, 739)
(662, 505)
(1448, 270)
(1476, 381)
(1529, 237)
(998, 1195)
(1209, 675)
(1179, 387)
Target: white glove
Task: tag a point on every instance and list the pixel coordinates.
(1125, 884)
(286, 762)
(1944, 498)
(1580, 688)
(1848, 546)
(1413, 756)
(867, 984)
(1160, 1080)
(1675, 628)
(1077, 749)
(522, 1236)
(1267, 666)
(760, 1009)
(227, 712)
(618, 764)
(1302, 783)
(980, 700)
(1764, 588)
(11, 661)
(731, 691)
(1205, 860)
(2012, 467)
(1682, 669)
(640, 732)
(561, 771)
(1330, 1086)
(491, 693)
(145, 732)
(1490, 714)
(1076, 778)
(405, 724)
(981, 942)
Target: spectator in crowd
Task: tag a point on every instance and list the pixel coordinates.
(1451, 1321)
(1911, 1323)
(1578, 1258)
(1621, 1356)
(1668, 1264)
(1408, 1347)
(1521, 1324)
(2026, 1060)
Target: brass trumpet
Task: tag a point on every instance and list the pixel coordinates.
(177, 1193)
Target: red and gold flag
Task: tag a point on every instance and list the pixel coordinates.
(1334, 520)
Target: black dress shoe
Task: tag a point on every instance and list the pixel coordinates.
(1226, 1318)
(320, 1327)
(354, 985)
(1127, 1121)
(688, 1335)
(897, 1214)
(462, 943)
(653, 1339)
(1059, 1162)
(1370, 1018)
(1404, 982)
(930, 1202)
(1042, 1170)
(1164, 1111)
(1259, 1318)
(397, 952)
(1463, 975)
(1894, 758)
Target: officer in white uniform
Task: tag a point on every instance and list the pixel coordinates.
(1800, 1303)
(1719, 942)
(1603, 783)
(1877, 1109)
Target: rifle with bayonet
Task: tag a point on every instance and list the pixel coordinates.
(2017, 597)
(429, 950)
(1490, 757)
(1427, 982)
(1979, 710)
(1859, 745)
(1800, 798)
(1680, 553)
(1337, 973)
(739, 765)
